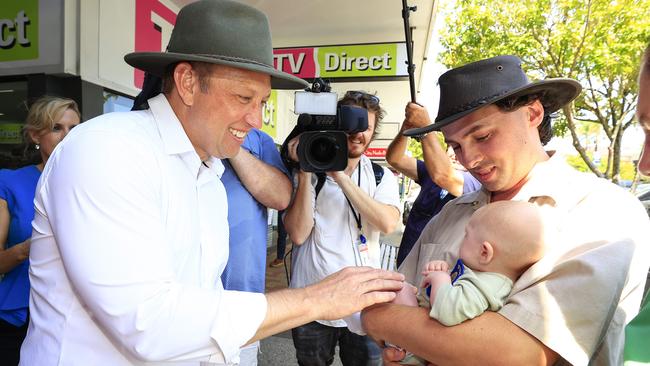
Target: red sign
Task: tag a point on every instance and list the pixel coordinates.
(297, 61)
(376, 152)
(148, 34)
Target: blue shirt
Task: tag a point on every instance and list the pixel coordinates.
(247, 219)
(17, 188)
(427, 204)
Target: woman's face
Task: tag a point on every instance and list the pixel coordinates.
(48, 139)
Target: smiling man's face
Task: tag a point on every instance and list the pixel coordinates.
(222, 114)
(358, 143)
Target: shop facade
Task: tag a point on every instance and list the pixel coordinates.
(75, 49)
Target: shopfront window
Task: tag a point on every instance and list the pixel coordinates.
(13, 111)
(116, 103)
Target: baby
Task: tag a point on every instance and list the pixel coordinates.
(502, 240)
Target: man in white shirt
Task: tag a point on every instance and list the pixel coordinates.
(131, 234)
(335, 224)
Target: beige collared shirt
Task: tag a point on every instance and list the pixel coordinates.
(578, 298)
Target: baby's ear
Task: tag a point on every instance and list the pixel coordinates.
(487, 253)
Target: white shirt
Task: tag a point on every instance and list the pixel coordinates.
(130, 238)
(579, 296)
(332, 243)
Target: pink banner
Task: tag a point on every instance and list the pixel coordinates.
(296, 61)
(148, 35)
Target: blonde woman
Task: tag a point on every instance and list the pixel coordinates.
(48, 121)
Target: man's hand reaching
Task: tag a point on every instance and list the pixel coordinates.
(352, 289)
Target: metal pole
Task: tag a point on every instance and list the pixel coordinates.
(409, 46)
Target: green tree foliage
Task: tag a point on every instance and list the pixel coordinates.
(628, 169)
(597, 42)
(416, 149)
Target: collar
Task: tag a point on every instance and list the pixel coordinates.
(548, 182)
(172, 134)
(216, 166)
(553, 181)
(175, 140)
(480, 197)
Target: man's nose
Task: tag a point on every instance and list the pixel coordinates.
(254, 117)
(470, 157)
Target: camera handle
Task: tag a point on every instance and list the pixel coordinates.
(319, 85)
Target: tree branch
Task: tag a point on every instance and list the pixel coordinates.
(576, 141)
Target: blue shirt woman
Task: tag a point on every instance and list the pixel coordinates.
(48, 121)
(17, 189)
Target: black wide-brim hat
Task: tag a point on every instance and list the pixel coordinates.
(467, 88)
(220, 32)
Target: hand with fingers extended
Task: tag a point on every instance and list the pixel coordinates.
(354, 288)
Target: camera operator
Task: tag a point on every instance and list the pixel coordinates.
(336, 224)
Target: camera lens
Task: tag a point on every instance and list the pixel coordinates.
(322, 150)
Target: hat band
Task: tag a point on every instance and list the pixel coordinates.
(473, 104)
(234, 59)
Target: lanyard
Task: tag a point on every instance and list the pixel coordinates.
(357, 218)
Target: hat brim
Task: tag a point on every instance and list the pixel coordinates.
(156, 62)
(558, 92)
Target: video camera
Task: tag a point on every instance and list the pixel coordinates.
(324, 128)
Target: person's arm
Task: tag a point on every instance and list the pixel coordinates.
(490, 338)
(438, 164)
(299, 216)
(270, 186)
(338, 295)
(382, 216)
(11, 257)
(396, 154)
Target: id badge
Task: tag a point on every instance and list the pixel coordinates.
(362, 248)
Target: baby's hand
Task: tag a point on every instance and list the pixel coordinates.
(406, 296)
(435, 266)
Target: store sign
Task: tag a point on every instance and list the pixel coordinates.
(270, 115)
(18, 30)
(376, 152)
(10, 133)
(345, 61)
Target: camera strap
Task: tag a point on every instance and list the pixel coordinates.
(357, 217)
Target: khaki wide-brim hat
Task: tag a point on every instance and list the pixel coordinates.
(220, 32)
(467, 88)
